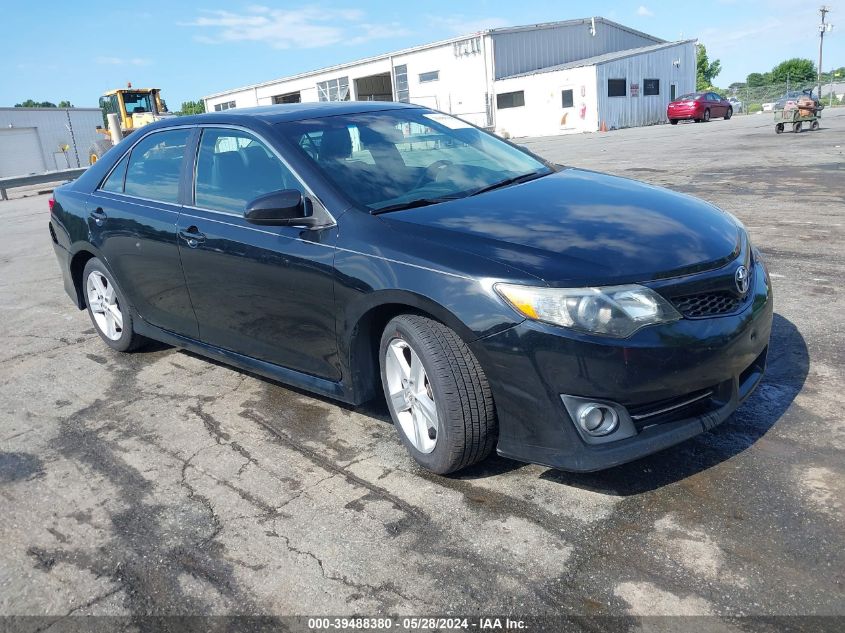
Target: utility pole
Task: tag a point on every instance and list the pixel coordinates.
(823, 28)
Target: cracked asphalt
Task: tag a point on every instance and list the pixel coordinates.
(159, 482)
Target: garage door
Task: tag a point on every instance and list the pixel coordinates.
(20, 152)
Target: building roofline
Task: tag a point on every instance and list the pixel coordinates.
(422, 47)
(598, 60)
(551, 25)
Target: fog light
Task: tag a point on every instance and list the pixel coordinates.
(597, 419)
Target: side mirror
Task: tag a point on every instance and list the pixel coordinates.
(280, 208)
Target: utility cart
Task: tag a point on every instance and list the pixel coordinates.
(795, 118)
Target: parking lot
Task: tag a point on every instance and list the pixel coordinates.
(161, 483)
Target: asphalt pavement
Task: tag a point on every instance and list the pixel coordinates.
(160, 482)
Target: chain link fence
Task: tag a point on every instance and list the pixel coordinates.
(762, 98)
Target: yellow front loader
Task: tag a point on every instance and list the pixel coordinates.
(134, 107)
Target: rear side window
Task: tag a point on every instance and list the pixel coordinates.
(114, 182)
(155, 165)
(233, 168)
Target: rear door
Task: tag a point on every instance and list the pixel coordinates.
(262, 291)
(133, 220)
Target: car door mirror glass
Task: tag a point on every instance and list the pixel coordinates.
(287, 207)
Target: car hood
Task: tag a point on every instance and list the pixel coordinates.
(582, 227)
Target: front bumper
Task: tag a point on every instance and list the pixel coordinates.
(532, 365)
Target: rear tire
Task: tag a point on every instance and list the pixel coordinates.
(97, 150)
(109, 311)
(673, 121)
(796, 127)
(779, 128)
(437, 394)
(707, 116)
(814, 126)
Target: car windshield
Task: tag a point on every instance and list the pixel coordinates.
(392, 160)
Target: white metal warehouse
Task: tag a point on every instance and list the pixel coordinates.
(543, 79)
(35, 140)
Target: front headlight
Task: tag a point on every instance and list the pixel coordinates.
(617, 311)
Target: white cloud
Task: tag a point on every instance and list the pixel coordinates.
(121, 61)
(307, 27)
(644, 11)
(460, 25)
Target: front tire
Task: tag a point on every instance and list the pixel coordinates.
(437, 394)
(97, 150)
(673, 121)
(729, 114)
(108, 309)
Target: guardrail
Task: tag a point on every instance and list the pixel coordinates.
(37, 179)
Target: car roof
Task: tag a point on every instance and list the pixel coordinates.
(294, 111)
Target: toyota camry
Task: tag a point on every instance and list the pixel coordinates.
(499, 302)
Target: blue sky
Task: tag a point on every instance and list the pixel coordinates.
(77, 50)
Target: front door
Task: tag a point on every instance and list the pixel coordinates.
(133, 218)
(262, 291)
(717, 109)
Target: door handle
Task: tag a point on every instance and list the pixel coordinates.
(192, 236)
(99, 216)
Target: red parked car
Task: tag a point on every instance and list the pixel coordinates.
(699, 106)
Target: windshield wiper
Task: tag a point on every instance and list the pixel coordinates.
(412, 204)
(511, 181)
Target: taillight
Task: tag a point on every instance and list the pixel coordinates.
(51, 202)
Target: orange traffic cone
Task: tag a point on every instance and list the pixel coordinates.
(603, 127)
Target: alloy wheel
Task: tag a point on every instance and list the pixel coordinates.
(104, 304)
(411, 398)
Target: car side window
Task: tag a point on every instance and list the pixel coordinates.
(155, 166)
(233, 168)
(114, 183)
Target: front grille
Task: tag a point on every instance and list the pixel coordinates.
(707, 304)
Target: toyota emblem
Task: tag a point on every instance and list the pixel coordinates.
(741, 278)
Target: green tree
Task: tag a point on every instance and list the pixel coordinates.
(755, 80)
(193, 107)
(29, 103)
(795, 70)
(706, 70)
(65, 104)
(758, 80)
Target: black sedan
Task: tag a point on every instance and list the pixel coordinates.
(560, 316)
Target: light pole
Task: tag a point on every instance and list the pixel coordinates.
(823, 28)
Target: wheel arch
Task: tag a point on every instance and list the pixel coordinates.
(364, 327)
(78, 260)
